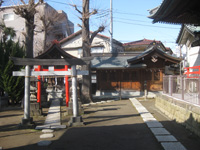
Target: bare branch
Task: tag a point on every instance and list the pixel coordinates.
(23, 2)
(76, 9)
(100, 29)
(93, 12)
(79, 25)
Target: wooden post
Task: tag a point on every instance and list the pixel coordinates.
(39, 87)
(199, 89)
(66, 87)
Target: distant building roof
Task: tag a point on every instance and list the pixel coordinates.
(142, 45)
(141, 42)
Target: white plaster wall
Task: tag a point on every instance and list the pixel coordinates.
(194, 56)
(99, 45)
(19, 26)
(18, 23)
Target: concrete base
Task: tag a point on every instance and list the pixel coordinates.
(70, 109)
(27, 124)
(35, 109)
(75, 121)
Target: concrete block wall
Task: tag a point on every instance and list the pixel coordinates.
(182, 112)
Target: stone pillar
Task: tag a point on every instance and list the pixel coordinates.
(27, 119)
(76, 120)
(74, 92)
(182, 87)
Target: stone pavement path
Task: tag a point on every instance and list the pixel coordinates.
(53, 117)
(109, 126)
(167, 140)
(53, 121)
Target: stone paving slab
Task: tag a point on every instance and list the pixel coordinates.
(147, 115)
(154, 124)
(44, 143)
(47, 135)
(47, 131)
(58, 126)
(43, 127)
(166, 138)
(149, 119)
(159, 131)
(173, 146)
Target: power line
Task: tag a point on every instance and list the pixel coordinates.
(153, 26)
(128, 13)
(103, 10)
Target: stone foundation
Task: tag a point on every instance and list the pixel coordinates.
(180, 111)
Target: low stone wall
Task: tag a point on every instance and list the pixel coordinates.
(182, 112)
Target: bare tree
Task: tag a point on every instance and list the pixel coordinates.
(86, 46)
(27, 11)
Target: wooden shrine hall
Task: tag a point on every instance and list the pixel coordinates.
(135, 73)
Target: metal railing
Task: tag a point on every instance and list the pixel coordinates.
(182, 87)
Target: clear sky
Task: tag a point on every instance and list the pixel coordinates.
(130, 21)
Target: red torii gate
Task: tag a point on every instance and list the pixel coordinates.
(39, 68)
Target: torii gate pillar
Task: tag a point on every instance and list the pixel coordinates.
(27, 119)
(75, 120)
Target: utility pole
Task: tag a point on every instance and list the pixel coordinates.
(111, 26)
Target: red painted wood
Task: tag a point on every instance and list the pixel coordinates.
(39, 87)
(66, 87)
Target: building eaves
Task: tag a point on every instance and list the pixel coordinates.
(177, 12)
(191, 29)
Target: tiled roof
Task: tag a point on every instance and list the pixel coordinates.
(150, 51)
(141, 42)
(190, 29)
(113, 63)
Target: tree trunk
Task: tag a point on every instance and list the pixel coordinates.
(45, 39)
(86, 82)
(29, 39)
(30, 30)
